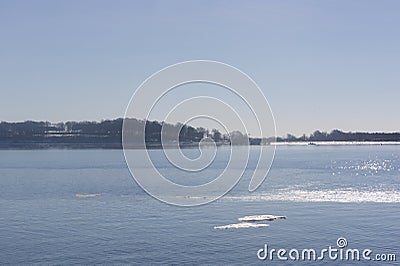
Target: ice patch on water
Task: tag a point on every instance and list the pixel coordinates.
(86, 195)
(240, 225)
(265, 217)
(335, 195)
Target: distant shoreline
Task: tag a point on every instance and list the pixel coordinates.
(107, 134)
(334, 143)
(118, 146)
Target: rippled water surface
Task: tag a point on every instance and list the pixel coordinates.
(83, 207)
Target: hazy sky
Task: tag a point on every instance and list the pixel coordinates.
(321, 64)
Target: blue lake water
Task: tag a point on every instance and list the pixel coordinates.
(83, 207)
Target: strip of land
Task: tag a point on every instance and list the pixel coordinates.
(107, 134)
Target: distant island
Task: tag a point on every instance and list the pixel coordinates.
(107, 134)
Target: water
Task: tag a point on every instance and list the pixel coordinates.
(82, 207)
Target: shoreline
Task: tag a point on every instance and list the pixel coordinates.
(334, 143)
(118, 146)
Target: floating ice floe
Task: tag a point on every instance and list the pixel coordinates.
(86, 195)
(240, 225)
(255, 218)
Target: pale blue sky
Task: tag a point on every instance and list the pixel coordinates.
(321, 64)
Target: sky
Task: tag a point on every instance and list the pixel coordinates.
(321, 64)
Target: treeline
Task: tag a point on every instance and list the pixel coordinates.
(337, 135)
(31, 130)
(32, 134)
(104, 134)
(108, 134)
